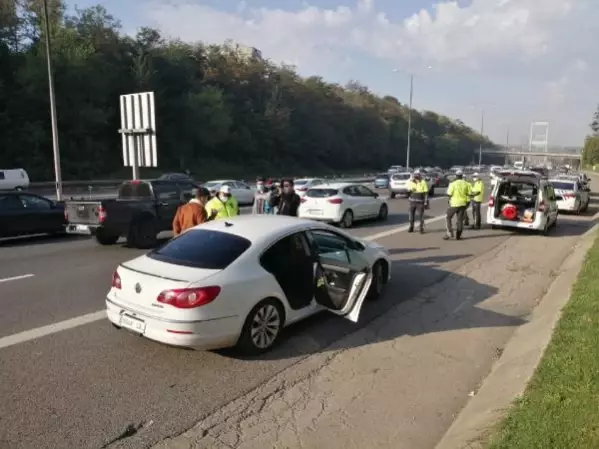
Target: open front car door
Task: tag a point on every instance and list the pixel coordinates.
(342, 276)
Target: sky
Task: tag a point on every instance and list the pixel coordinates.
(512, 62)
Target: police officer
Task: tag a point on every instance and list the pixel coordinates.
(459, 193)
(418, 198)
(478, 193)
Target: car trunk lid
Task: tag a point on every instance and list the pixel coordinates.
(143, 279)
(83, 212)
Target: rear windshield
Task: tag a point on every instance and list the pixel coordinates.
(563, 185)
(202, 248)
(321, 193)
(135, 190)
(300, 182)
(401, 177)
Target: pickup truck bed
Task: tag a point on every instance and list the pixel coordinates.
(141, 211)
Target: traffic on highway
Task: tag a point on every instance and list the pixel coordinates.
(101, 304)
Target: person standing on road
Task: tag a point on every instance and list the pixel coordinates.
(286, 200)
(223, 205)
(418, 198)
(459, 192)
(262, 199)
(478, 192)
(193, 213)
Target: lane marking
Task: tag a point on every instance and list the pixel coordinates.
(16, 278)
(43, 331)
(33, 334)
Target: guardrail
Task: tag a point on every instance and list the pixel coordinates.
(111, 184)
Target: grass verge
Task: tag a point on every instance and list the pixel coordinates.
(560, 407)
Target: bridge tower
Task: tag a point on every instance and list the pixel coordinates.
(539, 138)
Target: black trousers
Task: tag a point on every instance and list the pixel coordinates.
(459, 213)
(416, 207)
(476, 218)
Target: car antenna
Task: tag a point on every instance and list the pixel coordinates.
(228, 224)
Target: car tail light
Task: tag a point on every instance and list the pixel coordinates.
(302, 189)
(568, 195)
(188, 298)
(541, 206)
(136, 181)
(335, 201)
(101, 214)
(116, 280)
(491, 201)
(66, 215)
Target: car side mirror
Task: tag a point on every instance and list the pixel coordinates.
(376, 195)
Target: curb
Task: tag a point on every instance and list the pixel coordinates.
(512, 372)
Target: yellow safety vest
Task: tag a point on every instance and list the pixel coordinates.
(478, 187)
(459, 193)
(228, 209)
(418, 186)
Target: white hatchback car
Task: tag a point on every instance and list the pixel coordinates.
(343, 204)
(239, 282)
(398, 184)
(301, 186)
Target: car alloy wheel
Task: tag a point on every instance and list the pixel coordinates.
(265, 326)
(348, 219)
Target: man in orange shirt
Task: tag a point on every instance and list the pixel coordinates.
(192, 213)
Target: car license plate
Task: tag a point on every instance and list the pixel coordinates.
(133, 323)
(82, 228)
(315, 211)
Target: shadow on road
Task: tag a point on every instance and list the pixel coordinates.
(39, 239)
(409, 277)
(393, 251)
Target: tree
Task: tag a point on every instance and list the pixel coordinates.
(595, 123)
(217, 113)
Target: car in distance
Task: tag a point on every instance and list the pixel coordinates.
(342, 204)
(223, 283)
(14, 179)
(302, 185)
(27, 214)
(571, 195)
(243, 193)
(381, 181)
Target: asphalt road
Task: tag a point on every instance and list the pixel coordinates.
(92, 386)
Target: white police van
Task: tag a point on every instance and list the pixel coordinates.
(14, 179)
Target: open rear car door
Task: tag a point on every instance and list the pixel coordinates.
(342, 277)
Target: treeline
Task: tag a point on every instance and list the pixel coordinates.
(217, 112)
(590, 151)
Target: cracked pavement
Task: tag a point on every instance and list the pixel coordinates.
(400, 381)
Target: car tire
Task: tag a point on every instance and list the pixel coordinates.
(383, 212)
(143, 234)
(379, 281)
(392, 195)
(105, 239)
(347, 220)
(255, 331)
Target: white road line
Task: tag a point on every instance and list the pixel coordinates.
(50, 329)
(16, 278)
(33, 334)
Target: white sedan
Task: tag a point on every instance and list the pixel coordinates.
(243, 193)
(301, 186)
(239, 282)
(342, 203)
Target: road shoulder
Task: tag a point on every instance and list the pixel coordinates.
(513, 371)
(369, 390)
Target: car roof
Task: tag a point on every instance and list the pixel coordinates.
(336, 185)
(259, 228)
(219, 181)
(573, 181)
(307, 179)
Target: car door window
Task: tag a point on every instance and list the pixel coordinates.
(364, 191)
(351, 191)
(2, 175)
(35, 202)
(166, 191)
(10, 203)
(331, 247)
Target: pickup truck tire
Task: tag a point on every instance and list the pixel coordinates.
(143, 234)
(105, 239)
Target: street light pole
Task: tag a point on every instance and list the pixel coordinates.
(482, 130)
(410, 122)
(57, 169)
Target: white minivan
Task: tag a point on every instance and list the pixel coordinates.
(14, 179)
